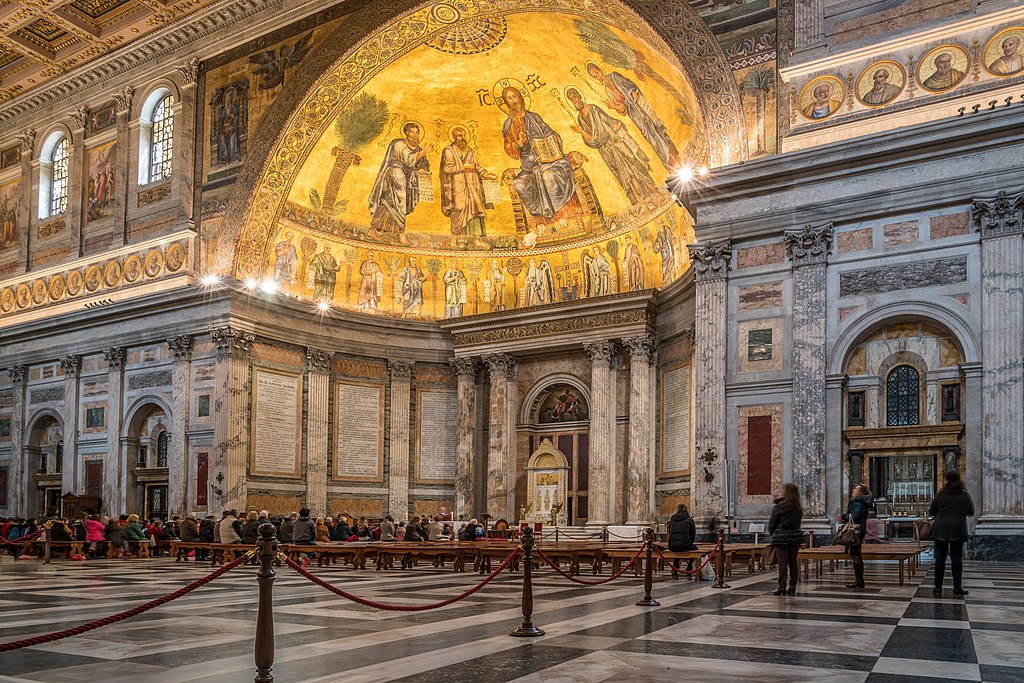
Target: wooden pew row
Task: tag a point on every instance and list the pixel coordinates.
(903, 553)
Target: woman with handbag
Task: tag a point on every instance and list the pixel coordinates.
(951, 507)
(784, 526)
(857, 513)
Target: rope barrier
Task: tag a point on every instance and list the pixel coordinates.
(395, 608)
(710, 556)
(584, 582)
(25, 539)
(127, 614)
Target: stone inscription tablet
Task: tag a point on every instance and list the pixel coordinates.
(359, 446)
(435, 455)
(675, 420)
(277, 414)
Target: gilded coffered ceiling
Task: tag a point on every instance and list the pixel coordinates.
(42, 39)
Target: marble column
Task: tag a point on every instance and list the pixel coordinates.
(74, 217)
(184, 164)
(318, 426)
(710, 266)
(602, 438)
(640, 472)
(398, 439)
(809, 249)
(972, 409)
(72, 365)
(229, 469)
(115, 468)
(809, 21)
(123, 114)
(465, 423)
(502, 446)
(180, 473)
(26, 218)
(836, 476)
(1001, 222)
(21, 468)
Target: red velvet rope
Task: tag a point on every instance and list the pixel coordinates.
(27, 539)
(396, 608)
(121, 616)
(710, 556)
(584, 582)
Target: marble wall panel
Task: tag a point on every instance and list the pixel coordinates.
(768, 295)
(150, 380)
(949, 353)
(964, 299)
(432, 506)
(360, 368)
(278, 354)
(667, 503)
(275, 503)
(744, 413)
(205, 372)
(857, 365)
(762, 255)
(94, 388)
(903, 232)
(357, 506)
(855, 240)
(435, 374)
(903, 330)
(681, 349)
(895, 17)
(744, 363)
(897, 277)
(949, 225)
(843, 312)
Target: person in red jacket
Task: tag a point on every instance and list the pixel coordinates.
(93, 534)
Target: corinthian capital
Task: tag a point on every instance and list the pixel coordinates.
(18, 373)
(601, 352)
(811, 245)
(189, 72)
(710, 261)
(28, 140)
(71, 364)
(80, 117)
(123, 100)
(230, 341)
(400, 370)
(180, 346)
(464, 367)
(642, 349)
(501, 364)
(318, 360)
(115, 356)
(999, 215)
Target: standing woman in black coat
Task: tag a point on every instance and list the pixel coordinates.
(951, 507)
(857, 512)
(784, 526)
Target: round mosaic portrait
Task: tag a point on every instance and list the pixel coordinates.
(944, 67)
(1004, 52)
(821, 98)
(880, 83)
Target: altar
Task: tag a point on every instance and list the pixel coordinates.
(547, 479)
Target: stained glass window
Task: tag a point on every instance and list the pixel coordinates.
(161, 141)
(59, 178)
(903, 395)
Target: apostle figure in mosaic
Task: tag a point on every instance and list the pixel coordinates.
(396, 191)
(540, 286)
(1011, 61)
(462, 188)
(286, 262)
(597, 273)
(945, 75)
(409, 288)
(496, 278)
(625, 97)
(881, 89)
(454, 290)
(371, 284)
(325, 274)
(620, 152)
(633, 262)
(545, 182)
(663, 244)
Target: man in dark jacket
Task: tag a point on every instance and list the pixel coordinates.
(304, 530)
(284, 534)
(206, 535)
(681, 535)
(413, 530)
(188, 529)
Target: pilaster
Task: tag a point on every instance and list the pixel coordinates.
(21, 470)
(74, 217)
(122, 189)
(398, 438)
(231, 428)
(501, 447)
(809, 249)
(643, 352)
(72, 365)
(180, 474)
(602, 424)
(318, 425)
(465, 463)
(115, 472)
(186, 141)
(711, 266)
(26, 219)
(1000, 220)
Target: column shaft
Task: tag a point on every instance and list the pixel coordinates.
(465, 474)
(639, 473)
(501, 447)
(70, 480)
(809, 402)
(115, 468)
(179, 470)
(601, 439)
(21, 470)
(398, 438)
(708, 487)
(231, 430)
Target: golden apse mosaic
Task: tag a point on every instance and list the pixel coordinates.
(476, 157)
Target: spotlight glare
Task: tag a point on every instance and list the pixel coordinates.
(703, 170)
(251, 283)
(685, 174)
(268, 286)
(209, 280)
(324, 306)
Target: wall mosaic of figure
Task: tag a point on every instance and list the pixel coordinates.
(10, 211)
(538, 176)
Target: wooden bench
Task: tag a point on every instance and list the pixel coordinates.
(899, 552)
(71, 548)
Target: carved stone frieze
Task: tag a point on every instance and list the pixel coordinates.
(559, 326)
(318, 360)
(501, 364)
(230, 341)
(710, 261)
(72, 364)
(464, 367)
(115, 357)
(601, 352)
(180, 346)
(643, 349)
(400, 370)
(811, 245)
(998, 216)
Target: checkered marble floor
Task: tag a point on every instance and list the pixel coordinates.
(884, 634)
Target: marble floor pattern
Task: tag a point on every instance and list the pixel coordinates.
(886, 633)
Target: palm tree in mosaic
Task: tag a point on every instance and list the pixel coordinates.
(760, 82)
(357, 125)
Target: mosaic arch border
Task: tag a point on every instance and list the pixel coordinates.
(361, 47)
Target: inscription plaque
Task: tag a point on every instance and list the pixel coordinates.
(359, 446)
(277, 413)
(675, 420)
(435, 445)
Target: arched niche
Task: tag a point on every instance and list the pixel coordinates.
(145, 432)
(547, 483)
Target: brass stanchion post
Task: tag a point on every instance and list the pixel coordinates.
(648, 600)
(46, 545)
(527, 628)
(266, 551)
(720, 562)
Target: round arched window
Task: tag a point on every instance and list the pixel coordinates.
(903, 397)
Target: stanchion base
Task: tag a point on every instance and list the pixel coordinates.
(647, 603)
(526, 632)
(724, 585)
